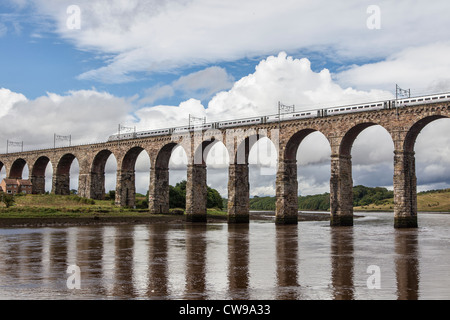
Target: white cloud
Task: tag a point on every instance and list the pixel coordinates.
(423, 69)
(169, 116)
(8, 99)
(87, 115)
(291, 81)
(148, 36)
(199, 85)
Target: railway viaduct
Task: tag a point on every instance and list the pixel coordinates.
(403, 124)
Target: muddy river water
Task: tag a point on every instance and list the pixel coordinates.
(311, 260)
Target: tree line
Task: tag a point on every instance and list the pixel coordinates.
(321, 202)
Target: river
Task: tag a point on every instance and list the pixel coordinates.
(311, 260)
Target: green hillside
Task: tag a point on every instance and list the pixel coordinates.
(364, 198)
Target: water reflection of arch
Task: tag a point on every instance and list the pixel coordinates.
(195, 261)
(407, 264)
(123, 267)
(238, 261)
(158, 262)
(287, 262)
(342, 263)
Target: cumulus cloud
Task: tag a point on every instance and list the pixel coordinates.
(423, 69)
(199, 85)
(291, 81)
(87, 115)
(149, 36)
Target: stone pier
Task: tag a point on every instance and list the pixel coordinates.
(196, 193)
(341, 191)
(38, 184)
(125, 188)
(405, 190)
(238, 193)
(287, 193)
(61, 184)
(158, 195)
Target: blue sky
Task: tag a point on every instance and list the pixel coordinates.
(152, 63)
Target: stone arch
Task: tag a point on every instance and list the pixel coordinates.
(158, 197)
(415, 129)
(341, 181)
(126, 179)
(163, 155)
(16, 169)
(2, 166)
(38, 174)
(61, 177)
(345, 148)
(129, 160)
(97, 174)
(287, 179)
(238, 172)
(244, 145)
(405, 180)
(294, 142)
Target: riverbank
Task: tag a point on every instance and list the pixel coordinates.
(138, 218)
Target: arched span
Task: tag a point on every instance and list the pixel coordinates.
(349, 138)
(99, 162)
(17, 169)
(61, 180)
(164, 154)
(294, 142)
(64, 163)
(243, 149)
(416, 128)
(39, 166)
(129, 160)
(38, 174)
(2, 165)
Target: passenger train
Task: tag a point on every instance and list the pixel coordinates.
(388, 104)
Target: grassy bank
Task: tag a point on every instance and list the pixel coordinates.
(57, 206)
(430, 201)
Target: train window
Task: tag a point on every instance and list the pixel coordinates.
(413, 100)
(355, 108)
(442, 97)
(419, 99)
(434, 98)
(406, 101)
(426, 99)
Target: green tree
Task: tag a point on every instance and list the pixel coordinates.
(177, 197)
(8, 200)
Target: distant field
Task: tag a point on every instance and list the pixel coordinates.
(433, 201)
